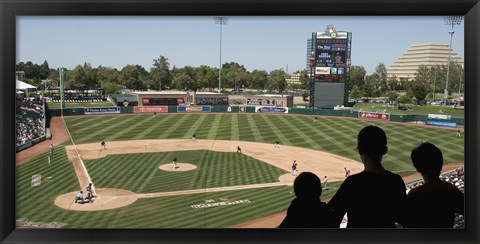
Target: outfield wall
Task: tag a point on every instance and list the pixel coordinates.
(253, 109)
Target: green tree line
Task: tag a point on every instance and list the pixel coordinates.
(159, 77)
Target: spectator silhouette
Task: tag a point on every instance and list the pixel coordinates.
(374, 197)
(433, 204)
(306, 210)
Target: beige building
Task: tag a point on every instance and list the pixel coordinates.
(293, 79)
(428, 54)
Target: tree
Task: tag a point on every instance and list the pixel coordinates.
(422, 74)
(357, 77)
(367, 88)
(185, 80)
(392, 96)
(109, 79)
(44, 70)
(235, 75)
(134, 77)
(304, 80)
(380, 78)
(257, 79)
(355, 93)
(394, 84)
(82, 78)
(404, 99)
(418, 90)
(160, 73)
(206, 76)
(277, 81)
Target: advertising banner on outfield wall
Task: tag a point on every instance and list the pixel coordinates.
(106, 110)
(189, 109)
(372, 115)
(440, 123)
(439, 116)
(259, 109)
(150, 109)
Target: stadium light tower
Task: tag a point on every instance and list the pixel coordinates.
(450, 21)
(221, 21)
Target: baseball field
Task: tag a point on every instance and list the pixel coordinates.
(212, 186)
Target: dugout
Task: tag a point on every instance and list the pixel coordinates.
(269, 100)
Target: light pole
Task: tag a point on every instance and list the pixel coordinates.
(450, 21)
(221, 21)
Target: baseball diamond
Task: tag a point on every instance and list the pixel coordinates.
(136, 186)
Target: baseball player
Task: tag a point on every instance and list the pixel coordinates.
(194, 137)
(103, 145)
(51, 150)
(347, 172)
(239, 150)
(174, 162)
(294, 168)
(325, 182)
(79, 197)
(315, 120)
(458, 133)
(89, 189)
(277, 144)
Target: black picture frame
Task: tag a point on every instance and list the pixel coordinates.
(470, 9)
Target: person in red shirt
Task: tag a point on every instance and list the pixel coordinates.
(433, 204)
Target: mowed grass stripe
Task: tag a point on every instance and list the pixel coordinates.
(155, 124)
(257, 136)
(296, 129)
(212, 134)
(234, 135)
(174, 126)
(101, 132)
(275, 130)
(193, 129)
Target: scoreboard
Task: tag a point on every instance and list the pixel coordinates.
(329, 67)
(332, 57)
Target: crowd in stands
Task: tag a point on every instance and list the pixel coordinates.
(30, 119)
(378, 198)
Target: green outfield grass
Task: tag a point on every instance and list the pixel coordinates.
(140, 174)
(214, 169)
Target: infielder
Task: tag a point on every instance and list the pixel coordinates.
(325, 182)
(174, 162)
(294, 168)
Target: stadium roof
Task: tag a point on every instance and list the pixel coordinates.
(23, 86)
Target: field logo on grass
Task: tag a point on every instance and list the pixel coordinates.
(375, 116)
(224, 202)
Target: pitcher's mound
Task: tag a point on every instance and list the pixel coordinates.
(180, 167)
(107, 198)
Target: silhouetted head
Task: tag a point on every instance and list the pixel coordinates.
(372, 141)
(307, 185)
(427, 159)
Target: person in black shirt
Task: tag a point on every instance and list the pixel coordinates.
(306, 210)
(374, 197)
(433, 204)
